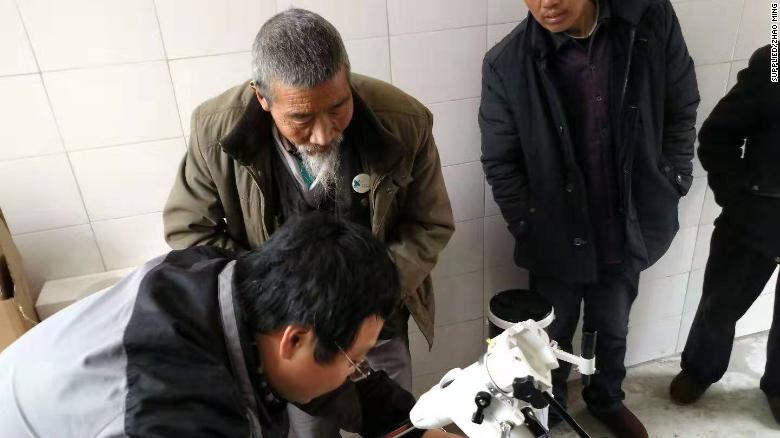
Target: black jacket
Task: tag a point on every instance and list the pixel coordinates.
(528, 155)
(748, 188)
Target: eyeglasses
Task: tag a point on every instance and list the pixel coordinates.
(360, 370)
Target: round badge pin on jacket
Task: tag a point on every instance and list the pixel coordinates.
(361, 183)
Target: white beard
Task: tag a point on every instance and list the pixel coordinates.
(323, 166)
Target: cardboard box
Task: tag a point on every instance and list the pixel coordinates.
(17, 313)
(59, 294)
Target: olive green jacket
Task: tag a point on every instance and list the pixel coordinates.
(223, 194)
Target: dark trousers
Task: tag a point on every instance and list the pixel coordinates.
(734, 278)
(607, 305)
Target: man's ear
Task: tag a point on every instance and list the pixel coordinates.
(295, 338)
(263, 102)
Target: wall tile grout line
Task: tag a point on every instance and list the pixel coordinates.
(92, 148)
(485, 292)
(129, 216)
(722, 93)
(168, 67)
(464, 163)
(16, 75)
(91, 222)
(47, 230)
(210, 55)
(446, 276)
(739, 28)
(487, 43)
(368, 37)
(422, 32)
(453, 323)
(29, 40)
(709, 64)
(389, 45)
(30, 157)
(119, 145)
(61, 137)
(459, 99)
(682, 314)
(98, 66)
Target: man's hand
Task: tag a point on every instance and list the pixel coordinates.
(437, 433)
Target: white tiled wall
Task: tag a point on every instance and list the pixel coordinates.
(197, 79)
(97, 98)
(453, 73)
(81, 33)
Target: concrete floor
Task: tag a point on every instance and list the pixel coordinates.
(734, 407)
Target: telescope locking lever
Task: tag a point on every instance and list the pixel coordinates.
(482, 401)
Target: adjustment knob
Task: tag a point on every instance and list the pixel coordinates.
(482, 400)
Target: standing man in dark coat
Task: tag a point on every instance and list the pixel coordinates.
(588, 123)
(745, 247)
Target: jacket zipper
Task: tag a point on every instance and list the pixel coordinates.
(631, 38)
(623, 170)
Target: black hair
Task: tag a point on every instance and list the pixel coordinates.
(318, 272)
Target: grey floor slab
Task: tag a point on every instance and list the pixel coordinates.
(733, 408)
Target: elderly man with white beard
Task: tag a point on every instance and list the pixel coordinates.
(306, 134)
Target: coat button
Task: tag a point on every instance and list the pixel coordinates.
(522, 227)
(754, 188)
(560, 129)
(569, 187)
(599, 98)
(678, 178)
(364, 202)
(626, 171)
(579, 241)
(667, 169)
(532, 210)
(777, 259)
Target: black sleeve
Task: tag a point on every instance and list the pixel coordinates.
(731, 122)
(502, 154)
(372, 407)
(681, 102)
(385, 406)
(170, 399)
(178, 382)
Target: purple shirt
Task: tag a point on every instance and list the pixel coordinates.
(580, 71)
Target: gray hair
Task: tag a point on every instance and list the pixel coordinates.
(297, 48)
